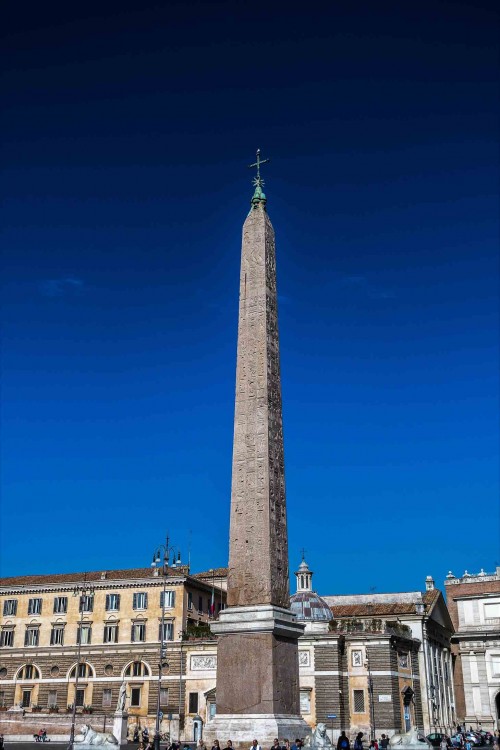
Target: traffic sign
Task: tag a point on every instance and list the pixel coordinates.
(331, 716)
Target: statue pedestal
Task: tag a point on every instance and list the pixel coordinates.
(120, 724)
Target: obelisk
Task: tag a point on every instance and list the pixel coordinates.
(257, 655)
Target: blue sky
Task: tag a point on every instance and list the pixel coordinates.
(126, 133)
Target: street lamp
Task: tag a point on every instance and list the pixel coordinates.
(82, 590)
(161, 557)
(370, 698)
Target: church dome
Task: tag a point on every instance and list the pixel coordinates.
(307, 605)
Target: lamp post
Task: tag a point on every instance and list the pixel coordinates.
(161, 556)
(370, 698)
(81, 590)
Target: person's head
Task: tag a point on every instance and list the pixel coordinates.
(255, 743)
(229, 743)
(276, 741)
(383, 736)
(343, 733)
(216, 743)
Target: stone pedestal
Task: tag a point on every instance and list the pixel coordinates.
(120, 724)
(263, 703)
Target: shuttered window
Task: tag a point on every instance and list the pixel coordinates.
(140, 600)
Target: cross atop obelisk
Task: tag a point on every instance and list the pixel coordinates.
(258, 181)
(258, 629)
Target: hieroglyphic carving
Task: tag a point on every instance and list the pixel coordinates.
(258, 565)
(203, 662)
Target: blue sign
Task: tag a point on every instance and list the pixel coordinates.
(331, 716)
(160, 714)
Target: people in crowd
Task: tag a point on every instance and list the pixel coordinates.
(276, 744)
(229, 745)
(343, 741)
(255, 745)
(443, 744)
(216, 745)
(384, 742)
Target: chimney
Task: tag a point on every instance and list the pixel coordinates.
(430, 584)
(103, 575)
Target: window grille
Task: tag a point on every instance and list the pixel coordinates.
(358, 701)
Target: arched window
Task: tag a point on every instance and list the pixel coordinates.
(84, 670)
(136, 669)
(28, 672)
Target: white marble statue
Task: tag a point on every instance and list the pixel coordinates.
(412, 739)
(91, 737)
(319, 738)
(122, 697)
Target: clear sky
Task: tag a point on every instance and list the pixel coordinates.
(127, 128)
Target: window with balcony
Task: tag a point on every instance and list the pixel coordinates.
(34, 606)
(10, 608)
(60, 605)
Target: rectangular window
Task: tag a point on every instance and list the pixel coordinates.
(31, 637)
(80, 697)
(60, 605)
(190, 600)
(169, 599)
(138, 632)
(57, 636)
(163, 696)
(358, 699)
(140, 600)
(35, 607)
(86, 603)
(491, 611)
(305, 701)
(7, 637)
(26, 699)
(110, 634)
(107, 698)
(135, 697)
(10, 608)
(495, 665)
(112, 602)
(168, 631)
(84, 634)
(52, 699)
(193, 703)
(2, 698)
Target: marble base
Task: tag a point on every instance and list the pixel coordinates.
(242, 729)
(120, 724)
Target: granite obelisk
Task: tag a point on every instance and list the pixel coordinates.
(257, 655)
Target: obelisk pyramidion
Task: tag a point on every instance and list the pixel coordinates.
(257, 655)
